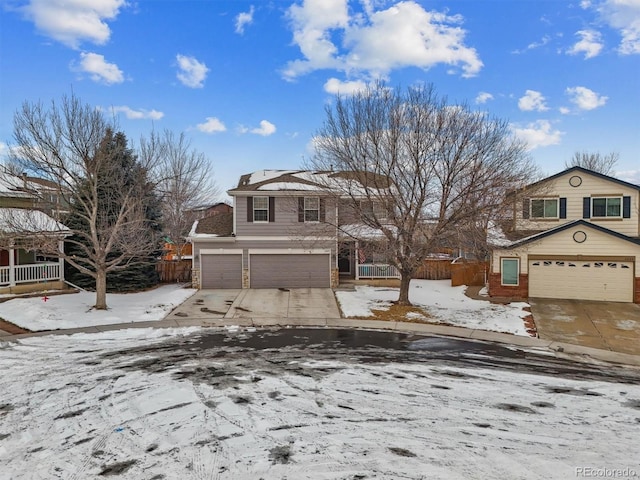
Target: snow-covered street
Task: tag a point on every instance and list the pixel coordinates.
(171, 403)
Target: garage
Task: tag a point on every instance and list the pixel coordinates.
(289, 270)
(604, 280)
(221, 270)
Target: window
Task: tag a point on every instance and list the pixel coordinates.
(311, 209)
(510, 270)
(42, 258)
(544, 208)
(373, 210)
(606, 207)
(260, 209)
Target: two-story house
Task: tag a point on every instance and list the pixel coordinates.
(284, 232)
(579, 239)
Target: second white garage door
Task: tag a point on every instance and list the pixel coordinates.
(582, 280)
(221, 271)
(289, 270)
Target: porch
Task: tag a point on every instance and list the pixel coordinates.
(356, 261)
(26, 271)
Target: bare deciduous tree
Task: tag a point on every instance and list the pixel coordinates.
(594, 161)
(184, 181)
(431, 170)
(74, 146)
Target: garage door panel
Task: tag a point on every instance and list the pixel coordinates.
(289, 271)
(221, 271)
(581, 280)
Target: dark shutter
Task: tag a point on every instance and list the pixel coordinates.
(249, 209)
(301, 209)
(272, 209)
(586, 207)
(563, 208)
(525, 208)
(626, 207)
(323, 208)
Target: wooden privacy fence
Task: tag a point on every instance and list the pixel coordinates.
(469, 273)
(439, 269)
(174, 271)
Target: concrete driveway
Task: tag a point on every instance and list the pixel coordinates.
(276, 304)
(605, 325)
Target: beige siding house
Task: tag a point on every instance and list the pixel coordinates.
(579, 239)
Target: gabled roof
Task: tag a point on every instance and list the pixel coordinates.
(220, 225)
(30, 221)
(560, 228)
(585, 171)
(306, 180)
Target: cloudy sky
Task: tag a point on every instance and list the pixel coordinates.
(249, 81)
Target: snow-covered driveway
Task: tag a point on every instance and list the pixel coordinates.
(148, 404)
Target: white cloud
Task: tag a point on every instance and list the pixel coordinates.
(538, 134)
(141, 114)
(483, 97)
(191, 73)
(243, 19)
(99, 69)
(375, 42)
(631, 176)
(72, 22)
(590, 44)
(337, 87)
(564, 110)
(585, 99)
(532, 100)
(265, 129)
(624, 16)
(212, 125)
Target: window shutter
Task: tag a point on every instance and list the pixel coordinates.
(586, 207)
(249, 209)
(563, 208)
(300, 209)
(626, 207)
(525, 208)
(272, 209)
(323, 214)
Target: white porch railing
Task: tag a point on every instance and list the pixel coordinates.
(34, 272)
(373, 270)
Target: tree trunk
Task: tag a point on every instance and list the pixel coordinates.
(101, 290)
(405, 279)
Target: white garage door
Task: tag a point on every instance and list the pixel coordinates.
(221, 271)
(583, 280)
(289, 270)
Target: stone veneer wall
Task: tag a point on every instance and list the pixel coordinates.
(195, 277)
(335, 277)
(516, 291)
(245, 278)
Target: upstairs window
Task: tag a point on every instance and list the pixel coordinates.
(606, 207)
(260, 209)
(544, 208)
(373, 210)
(311, 209)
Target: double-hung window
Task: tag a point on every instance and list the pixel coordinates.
(544, 208)
(311, 209)
(606, 207)
(260, 209)
(510, 268)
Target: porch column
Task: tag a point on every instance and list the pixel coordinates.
(12, 267)
(357, 252)
(61, 260)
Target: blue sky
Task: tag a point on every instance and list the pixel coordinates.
(249, 81)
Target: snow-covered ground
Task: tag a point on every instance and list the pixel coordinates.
(442, 302)
(74, 310)
(130, 404)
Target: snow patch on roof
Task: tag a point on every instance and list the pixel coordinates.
(33, 221)
(264, 175)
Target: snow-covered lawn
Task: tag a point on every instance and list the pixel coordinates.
(125, 404)
(74, 310)
(442, 302)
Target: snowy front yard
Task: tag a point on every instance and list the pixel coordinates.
(442, 303)
(161, 404)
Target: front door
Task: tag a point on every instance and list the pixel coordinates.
(345, 258)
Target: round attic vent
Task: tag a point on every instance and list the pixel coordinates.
(575, 181)
(579, 236)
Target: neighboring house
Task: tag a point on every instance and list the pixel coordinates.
(574, 235)
(207, 210)
(286, 230)
(22, 267)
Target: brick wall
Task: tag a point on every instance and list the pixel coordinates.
(516, 291)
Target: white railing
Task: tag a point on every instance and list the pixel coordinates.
(35, 272)
(373, 270)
